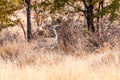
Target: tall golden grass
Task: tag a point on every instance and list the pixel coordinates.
(20, 62)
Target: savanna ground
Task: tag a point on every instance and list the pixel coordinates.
(19, 62)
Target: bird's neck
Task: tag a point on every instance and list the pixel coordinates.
(56, 35)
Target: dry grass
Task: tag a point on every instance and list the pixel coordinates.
(69, 69)
(19, 62)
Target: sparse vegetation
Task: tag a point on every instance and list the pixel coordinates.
(80, 53)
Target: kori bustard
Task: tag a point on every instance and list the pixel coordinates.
(49, 42)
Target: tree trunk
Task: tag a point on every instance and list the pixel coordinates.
(90, 23)
(29, 34)
(100, 7)
(89, 15)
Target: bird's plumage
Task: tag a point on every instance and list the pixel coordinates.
(50, 42)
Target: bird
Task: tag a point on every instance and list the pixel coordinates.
(49, 42)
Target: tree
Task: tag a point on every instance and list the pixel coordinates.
(28, 9)
(8, 17)
(7, 11)
(92, 9)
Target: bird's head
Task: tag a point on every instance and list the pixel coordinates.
(54, 26)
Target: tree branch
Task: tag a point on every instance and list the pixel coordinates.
(76, 7)
(85, 3)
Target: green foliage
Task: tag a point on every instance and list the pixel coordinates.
(9, 7)
(59, 4)
(7, 10)
(53, 6)
(112, 9)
